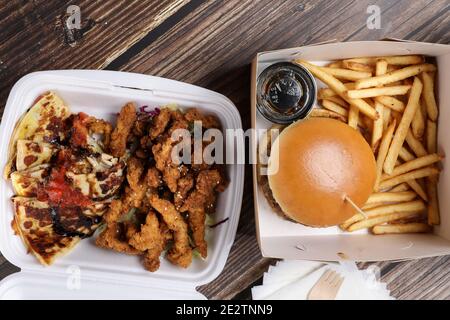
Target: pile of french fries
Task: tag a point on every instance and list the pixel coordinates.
(391, 100)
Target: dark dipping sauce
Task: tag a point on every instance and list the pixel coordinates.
(285, 92)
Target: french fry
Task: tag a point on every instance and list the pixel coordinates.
(411, 175)
(394, 76)
(392, 68)
(404, 60)
(409, 207)
(418, 123)
(353, 117)
(417, 189)
(381, 67)
(424, 108)
(428, 96)
(405, 155)
(431, 136)
(401, 187)
(357, 66)
(363, 60)
(433, 205)
(345, 74)
(402, 130)
(338, 100)
(369, 206)
(377, 131)
(335, 64)
(415, 227)
(413, 165)
(326, 93)
(379, 220)
(380, 197)
(376, 92)
(330, 105)
(340, 88)
(392, 60)
(323, 113)
(382, 152)
(386, 118)
(391, 103)
(415, 145)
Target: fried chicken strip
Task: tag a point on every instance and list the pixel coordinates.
(195, 204)
(135, 192)
(109, 238)
(162, 153)
(208, 121)
(119, 136)
(181, 253)
(185, 184)
(160, 123)
(151, 240)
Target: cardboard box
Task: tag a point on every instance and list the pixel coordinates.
(280, 238)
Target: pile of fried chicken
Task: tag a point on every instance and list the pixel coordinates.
(163, 205)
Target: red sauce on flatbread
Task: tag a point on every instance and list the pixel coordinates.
(60, 193)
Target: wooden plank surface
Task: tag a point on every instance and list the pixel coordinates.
(211, 44)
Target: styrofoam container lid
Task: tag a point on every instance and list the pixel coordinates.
(105, 273)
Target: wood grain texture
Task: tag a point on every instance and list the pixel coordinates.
(211, 44)
(33, 35)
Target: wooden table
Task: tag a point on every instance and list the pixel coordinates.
(211, 44)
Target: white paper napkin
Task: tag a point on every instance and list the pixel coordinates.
(293, 279)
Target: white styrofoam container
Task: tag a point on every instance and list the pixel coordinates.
(106, 274)
(280, 238)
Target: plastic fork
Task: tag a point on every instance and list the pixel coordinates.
(327, 287)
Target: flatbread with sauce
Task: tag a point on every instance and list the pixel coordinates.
(30, 154)
(62, 177)
(49, 232)
(26, 183)
(42, 123)
(34, 223)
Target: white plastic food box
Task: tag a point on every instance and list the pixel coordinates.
(89, 272)
(280, 238)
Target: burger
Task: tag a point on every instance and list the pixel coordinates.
(315, 168)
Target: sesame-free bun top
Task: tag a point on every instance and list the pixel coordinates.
(320, 161)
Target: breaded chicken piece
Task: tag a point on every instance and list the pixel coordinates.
(125, 123)
(196, 203)
(178, 122)
(153, 178)
(160, 123)
(133, 197)
(109, 238)
(208, 121)
(135, 169)
(137, 185)
(162, 153)
(181, 252)
(224, 181)
(185, 184)
(102, 127)
(151, 240)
